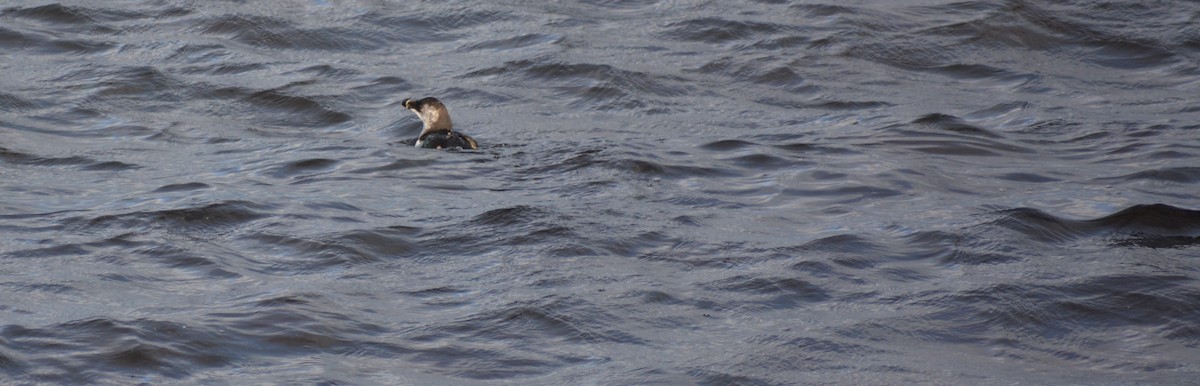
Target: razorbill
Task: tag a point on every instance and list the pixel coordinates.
(438, 132)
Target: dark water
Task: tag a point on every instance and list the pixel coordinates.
(669, 192)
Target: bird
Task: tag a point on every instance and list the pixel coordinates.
(438, 132)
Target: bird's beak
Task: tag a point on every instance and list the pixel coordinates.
(409, 103)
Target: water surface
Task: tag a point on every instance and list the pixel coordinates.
(668, 192)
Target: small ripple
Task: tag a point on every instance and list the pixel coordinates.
(288, 256)
(846, 194)
(297, 110)
(383, 243)
(54, 13)
(154, 347)
(718, 30)
(1027, 177)
(182, 187)
(385, 87)
(111, 166)
(38, 287)
(708, 376)
(13, 103)
(83, 163)
(466, 347)
(1157, 219)
(513, 227)
(1144, 225)
(827, 10)
(15, 40)
(600, 86)
(303, 168)
(434, 26)
(1184, 175)
(515, 42)
(623, 4)
(948, 135)
(1040, 225)
(954, 124)
(330, 72)
(1075, 309)
(756, 72)
(142, 83)
(400, 164)
(213, 218)
(436, 292)
(781, 293)
(1130, 55)
(767, 162)
(644, 167)
(281, 34)
(728, 145)
(834, 105)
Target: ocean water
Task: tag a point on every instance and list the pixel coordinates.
(667, 192)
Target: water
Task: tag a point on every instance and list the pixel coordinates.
(668, 192)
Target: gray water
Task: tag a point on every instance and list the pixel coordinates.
(667, 192)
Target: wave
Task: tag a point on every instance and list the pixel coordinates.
(1135, 225)
(82, 163)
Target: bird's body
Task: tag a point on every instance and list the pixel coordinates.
(437, 131)
(445, 139)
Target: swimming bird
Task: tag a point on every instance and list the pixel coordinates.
(438, 132)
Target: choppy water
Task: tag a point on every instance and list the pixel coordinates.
(668, 192)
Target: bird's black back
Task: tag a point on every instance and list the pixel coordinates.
(447, 139)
